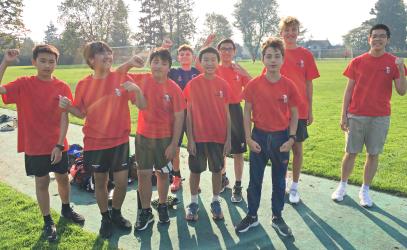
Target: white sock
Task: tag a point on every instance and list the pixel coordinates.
(364, 188)
(294, 185)
(343, 184)
(215, 198)
(194, 199)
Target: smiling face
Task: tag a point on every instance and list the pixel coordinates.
(290, 34)
(227, 52)
(185, 57)
(159, 68)
(45, 64)
(273, 60)
(102, 61)
(209, 62)
(378, 40)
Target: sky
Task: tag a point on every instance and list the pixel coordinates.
(323, 19)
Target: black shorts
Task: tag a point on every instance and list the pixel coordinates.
(210, 152)
(238, 138)
(40, 165)
(302, 132)
(105, 160)
(150, 152)
(184, 130)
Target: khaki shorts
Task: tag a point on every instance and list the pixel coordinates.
(366, 130)
(150, 152)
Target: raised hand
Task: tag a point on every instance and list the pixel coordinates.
(64, 102)
(137, 62)
(10, 56)
(130, 86)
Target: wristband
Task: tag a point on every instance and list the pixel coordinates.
(60, 147)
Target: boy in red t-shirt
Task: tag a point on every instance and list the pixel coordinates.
(42, 129)
(102, 99)
(366, 108)
(159, 128)
(208, 130)
(299, 66)
(271, 102)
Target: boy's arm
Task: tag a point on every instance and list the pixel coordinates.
(293, 129)
(247, 124)
(240, 70)
(10, 56)
(190, 134)
(66, 104)
(56, 154)
(134, 62)
(346, 100)
(310, 90)
(228, 146)
(176, 134)
(400, 83)
(140, 102)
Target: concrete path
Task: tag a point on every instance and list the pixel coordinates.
(317, 222)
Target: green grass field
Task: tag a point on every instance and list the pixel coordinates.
(21, 226)
(324, 149)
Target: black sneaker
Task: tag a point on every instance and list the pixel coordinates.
(106, 228)
(50, 232)
(73, 216)
(246, 224)
(163, 213)
(237, 194)
(281, 227)
(225, 183)
(120, 221)
(145, 218)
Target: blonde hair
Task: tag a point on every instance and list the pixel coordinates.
(289, 21)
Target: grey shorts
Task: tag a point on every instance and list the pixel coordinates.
(366, 130)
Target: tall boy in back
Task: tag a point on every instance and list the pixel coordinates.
(102, 99)
(42, 129)
(208, 130)
(271, 102)
(366, 108)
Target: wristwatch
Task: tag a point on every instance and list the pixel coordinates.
(294, 137)
(60, 147)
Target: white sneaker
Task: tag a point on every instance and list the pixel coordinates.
(294, 196)
(365, 200)
(287, 185)
(338, 194)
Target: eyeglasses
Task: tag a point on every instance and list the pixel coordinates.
(226, 49)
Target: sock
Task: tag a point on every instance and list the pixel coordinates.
(48, 219)
(343, 184)
(106, 215)
(65, 207)
(176, 173)
(223, 175)
(194, 199)
(116, 211)
(364, 188)
(238, 183)
(294, 185)
(215, 198)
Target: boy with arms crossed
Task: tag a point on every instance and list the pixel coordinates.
(270, 99)
(366, 108)
(42, 129)
(102, 98)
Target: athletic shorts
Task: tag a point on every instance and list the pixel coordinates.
(302, 132)
(40, 165)
(366, 130)
(105, 160)
(150, 152)
(207, 152)
(238, 138)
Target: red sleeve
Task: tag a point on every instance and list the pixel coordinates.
(13, 91)
(264, 71)
(247, 93)
(79, 95)
(178, 101)
(350, 71)
(312, 70)
(294, 98)
(187, 91)
(245, 80)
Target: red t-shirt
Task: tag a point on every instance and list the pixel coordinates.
(271, 102)
(235, 80)
(207, 99)
(163, 100)
(373, 84)
(39, 117)
(105, 104)
(299, 66)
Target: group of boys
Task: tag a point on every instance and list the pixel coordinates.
(203, 101)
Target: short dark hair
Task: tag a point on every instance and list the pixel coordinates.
(93, 48)
(162, 53)
(227, 40)
(272, 42)
(380, 26)
(185, 47)
(208, 50)
(45, 48)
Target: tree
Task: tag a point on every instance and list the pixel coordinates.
(91, 19)
(120, 33)
(12, 28)
(70, 43)
(51, 36)
(151, 25)
(357, 37)
(216, 24)
(256, 19)
(393, 14)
